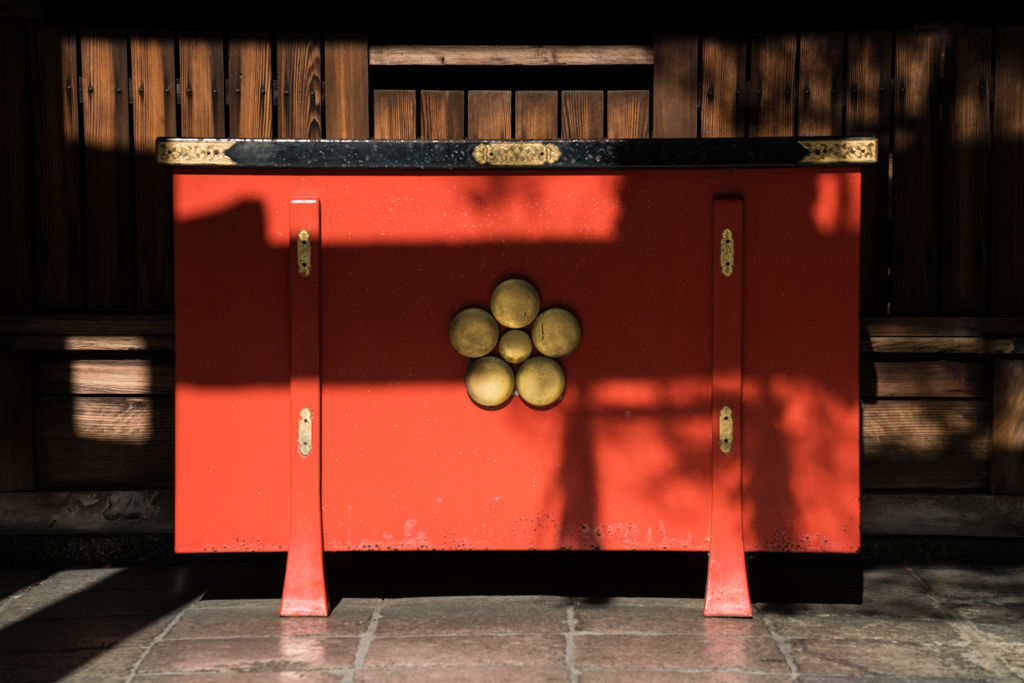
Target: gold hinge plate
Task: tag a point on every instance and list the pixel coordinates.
(725, 427)
(516, 153)
(305, 254)
(727, 252)
(305, 432)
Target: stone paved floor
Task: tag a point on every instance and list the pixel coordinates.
(162, 624)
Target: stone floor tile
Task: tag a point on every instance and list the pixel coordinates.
(659, 615)
(679, 652)
(1006, 614)
(250, 655)
(876, 658)
(466, 650)
(17, 581)
(968, 586)
(649, 676)
(261, 677)
(473, 615)
(33, 635)
(475, 674)
(66, 665)
(349, 618)
(865, 628)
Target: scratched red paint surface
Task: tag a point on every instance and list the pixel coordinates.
(623, 462)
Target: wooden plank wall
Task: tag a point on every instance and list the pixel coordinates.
(941, 211)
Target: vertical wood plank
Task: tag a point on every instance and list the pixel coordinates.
(1007, 464)
(676, 93)
(489, 114)
(108, 173)
(300, 94)
(867, 113)
(536, 114)
(1007, 275)
(15, 423)
(820, 111)
(965, 163)
(394, 114)
(250, 95)
(915, 179)
(772, 77)
(57, 197)
(582, 115)
(16, 251)
(201, 56)
(346, 88)
(629, 114)
(153, 115)
(725, 72)
(442, 114)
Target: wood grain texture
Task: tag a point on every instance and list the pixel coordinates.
(57, 198)
(772, 79)
(85, 376)
(723, 112)
(941, 514)
(915, 179)
(109, 228)
(582, 115)
(536, 114)
(394, 114)
(820, 96)
(921, 444)
(89, 342)
(250, 90)
(868, 100)
(201, 56)
(1007, 474)
(87, 512)
(965, 177)
(489, 115)
(299, 85)
(86, 324)
(103, 442)
(959, 378)
(984, 345)
(154, 114)
(16, 471)
(346, 88)
(629, 114)
(1007, 276)
(510, 55)
(442, 114)
(1006, 327)
(676, 90)
(16, 276)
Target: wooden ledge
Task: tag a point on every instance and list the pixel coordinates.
(942, 335)
(511, 55)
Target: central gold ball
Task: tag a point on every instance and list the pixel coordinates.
(490, 381)
(515, 303)
(473, 332)
(540, 381)
(515, 346)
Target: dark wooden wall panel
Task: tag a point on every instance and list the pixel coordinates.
(346, 88)
(394, 114)
(772, 77)
(16, 433)
(820, 96)
(536, 114)
(201, 58)
(582, 115)
(1007, 274)
(489, 115)
(442, 114)
(926, 377)
(723, 114)
(299, 85)
(629, 114)
(250, 88)
(676, 88)
(1008, 425)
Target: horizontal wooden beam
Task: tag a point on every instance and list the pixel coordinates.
(939, 514)
(87, 342)
(511, 55)
(83, 376)
(880, 344)
(941, 327)
(87, 512)
(71, 324)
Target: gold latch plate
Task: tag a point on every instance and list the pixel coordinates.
(305, 254)
(305, 431)
(725, 425)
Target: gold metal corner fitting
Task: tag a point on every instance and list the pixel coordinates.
(305, 251)
(194, 152)
(839, 151)
(305, 432)
(725, 427)
(727, 252)
(516, 153)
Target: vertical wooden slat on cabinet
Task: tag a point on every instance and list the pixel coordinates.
(536, 114)
(346, 88)
(915, 179)
(965, 163)
(629, 114)
(582, 115)
(772, 76)
(250, 93)
(676, 93)
(442, 114)
(867, 113)
(394, 114)
(108, 172)
(201, 56)
(725, 73)
(820, 98)
(15, 423)
(154, 115)
(1007, 464)
(57, 198)
(299, 90)
(1007, 275)
(16, 251)
(489, 115)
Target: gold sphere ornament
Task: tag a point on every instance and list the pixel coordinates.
(490, 381)
(515, 303)
(556, 332)
(515, 346)
(540, 381)
(473, 332)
